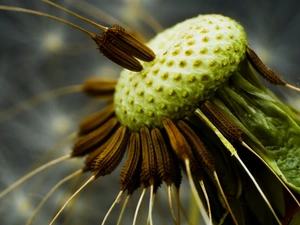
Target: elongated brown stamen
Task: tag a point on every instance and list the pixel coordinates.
(230, 131)
(177, 141)
(123, 49)
(149, 170)
(184, 152)
(131, 167)
(264, 71)
(131, 45)
(149, 173)
(203, 154)
(86, 143)
(111, 157)
(206, 158)
(168, 166)
(96, 120)
(182, 148)
(94, 154)
(129, 177)
(99, 87)
(109, 47)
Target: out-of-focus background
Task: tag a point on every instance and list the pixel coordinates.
(38, 54)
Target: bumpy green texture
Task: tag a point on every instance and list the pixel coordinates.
(193, 59)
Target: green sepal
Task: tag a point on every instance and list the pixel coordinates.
(273, 124)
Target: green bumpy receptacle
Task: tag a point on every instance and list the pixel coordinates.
(193, 59)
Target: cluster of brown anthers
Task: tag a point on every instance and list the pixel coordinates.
(156, 153)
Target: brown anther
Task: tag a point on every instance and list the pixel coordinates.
(96, 120)
(230, 131)
(262, 69)
(99, 87)
(109, 46)
(177, 140)
(92, 140)
(181, 147)
(195, 142)
(130, 44)
(122, 48)
(88, 162)
(149, 165)
(131, 168)
(168, 166)
(111, 157)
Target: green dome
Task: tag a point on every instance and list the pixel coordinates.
(193, 59)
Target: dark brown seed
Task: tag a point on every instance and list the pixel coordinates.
(111, 157)
(127, 43)
(177, 141)
(88, 162)
(181, 147)
(230, 131)
(96, 120)
(168, 165)
(108, 46)
(131, 168)
(262, 69)
(92, 140)
(134, 185)
(149, 165)
(193, 139)
(99, 87)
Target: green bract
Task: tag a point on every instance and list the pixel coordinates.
(193, 59)
(271, 126)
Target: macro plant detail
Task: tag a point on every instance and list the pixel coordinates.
(190, 103)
